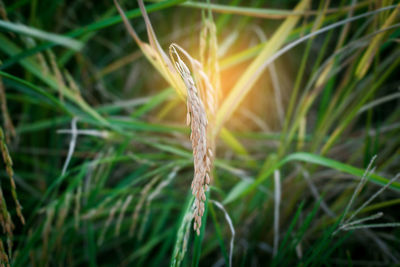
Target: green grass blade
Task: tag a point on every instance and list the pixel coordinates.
(33, 32)
(219, 235)
(244, 188)
(184, 226)
(246, 81)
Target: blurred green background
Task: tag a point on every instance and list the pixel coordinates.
(95, 140)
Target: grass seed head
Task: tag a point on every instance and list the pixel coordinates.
(198, 124)
(143, 195)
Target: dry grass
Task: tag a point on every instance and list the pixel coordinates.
(209, 58)
(122, 213)
(143, 196)
(5, 217)
(198, 91)
(9, 127)
(110, 218)
(197, 118)
(57, 73)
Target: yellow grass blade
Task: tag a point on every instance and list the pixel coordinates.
(231, 141)
(153, 51)
(366, 60)
(247, 80)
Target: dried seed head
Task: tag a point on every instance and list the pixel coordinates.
(143, 196)
(197, 117)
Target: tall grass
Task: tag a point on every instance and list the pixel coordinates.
(291, 148)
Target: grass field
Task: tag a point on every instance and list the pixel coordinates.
(200, 133)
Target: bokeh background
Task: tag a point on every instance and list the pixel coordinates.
(96, 157)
